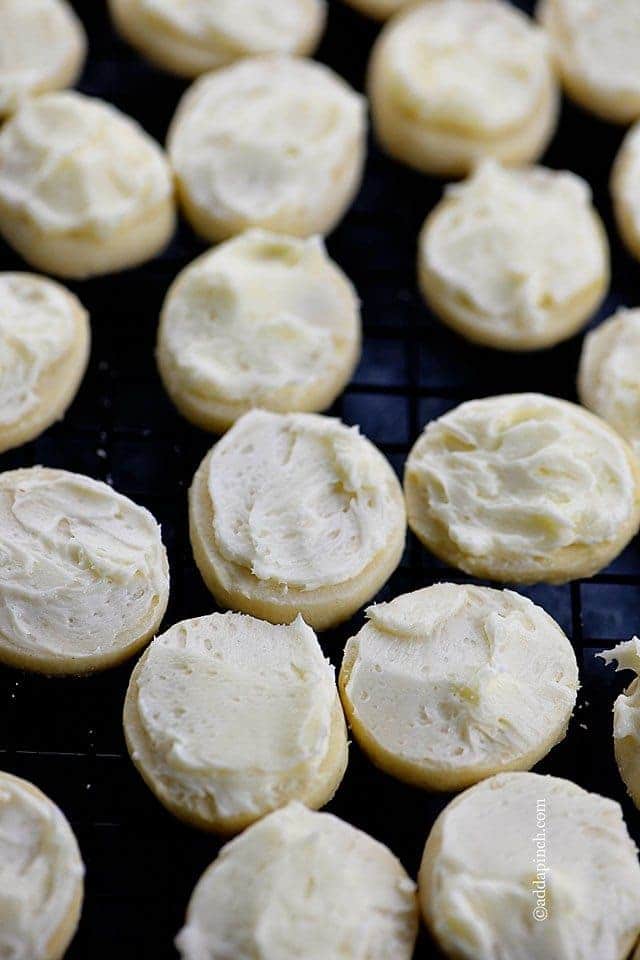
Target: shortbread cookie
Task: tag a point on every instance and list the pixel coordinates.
(596, 46)
(625, 190)
(44, 348)
(194, 36)
(273, 142)
(42, 48)
(41, 874)
(523, 488)
(264, 320)
(302, 884)
(84, 581)
(525, 867)
(452, 683)
(379, 9)
(228, 718)
(83, 189)
(515, 259)
(626, 717)
(609, 374)
(295, 513)
(453, 81)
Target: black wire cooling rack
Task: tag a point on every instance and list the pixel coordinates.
(65, 734)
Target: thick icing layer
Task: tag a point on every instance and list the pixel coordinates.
(301, 884)
(626, 711)
(73, 164)
(480, 883)
(300, 499)
(40, 871)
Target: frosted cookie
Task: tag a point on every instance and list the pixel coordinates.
(450, 684)
(42, 48)
(41, 874)
(44, 348)
(596, 47)
(84, 581)
(273, 142)
(83, 189)
(626, 717)
(195, 36)
(228, 718)
(609, 374)
(264, 320)
(379, 9)
(295, 513)
(525, 867)
(453, 81)
(301, 884)
(514, 259)
(523, 488)
(625, 192)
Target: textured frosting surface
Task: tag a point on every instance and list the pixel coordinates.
(301, 884)
(515, 247)
(40, 871)
(83, 570)
(260, 314)
(478, 890)
(626, 180)
(626, 710)
(74, 164)
(455, 677)
(300, 499)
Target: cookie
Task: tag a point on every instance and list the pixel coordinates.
(626, 717)
(454, 81)
(42, 47)
(85, 580)
(295, 513)
(514, 259)
(523, 488)
(83, 189)
(450, 684)
(596, 48)
(301, 884)
(525, 867)
(228, 718)
(41, 874)
(44, 348)
(625, 193)
(264, 320)
(195, 36)
(379, 9)
(274, 142)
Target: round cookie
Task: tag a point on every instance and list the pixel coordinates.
(195, 36)
(264, 320)
(523, 488)
(514, 259)
(274, 142)
(42, 47)
(626, 717)
(301, 884)
(450, 684)
(83, 189)
(526, 867)
(228, 718)
(84, 582)
(295, 513)
(596, 47)
(454, 81)
(44, 348)
(609, 374)
(41, 874)
(625, 192)
(379, 9)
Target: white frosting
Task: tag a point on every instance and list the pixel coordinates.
(260, 314)
(71, 164)
(82, 569)
(301, 884)
(458, 678)
(478, 886)
(625, 182)
(38, 327)
(300, 499)
(42, 46)
(513, 248)
(237, 713)
(266, 137)
(40, 871)
(626, 710)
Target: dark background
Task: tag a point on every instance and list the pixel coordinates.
(65, 735)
